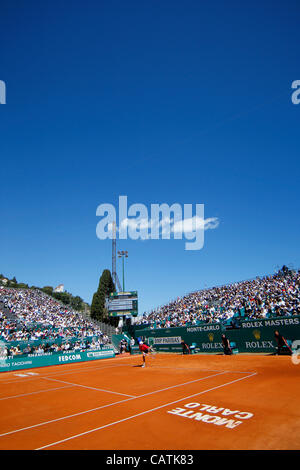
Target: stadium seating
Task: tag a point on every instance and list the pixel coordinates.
(229, 305)
(32, 322)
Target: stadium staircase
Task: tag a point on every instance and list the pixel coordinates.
(104, 327)
(116, 339)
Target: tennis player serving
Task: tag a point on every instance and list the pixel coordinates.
(145, 349)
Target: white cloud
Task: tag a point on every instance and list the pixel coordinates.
(189, 225)
(211, 223)
(194, 224)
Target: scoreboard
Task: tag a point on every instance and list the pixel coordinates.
(122, 303)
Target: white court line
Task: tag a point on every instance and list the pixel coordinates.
(87, 369)
(207, 370)
(73, 371)
(26, 374)
(135, 396)
(66, 372)
(34, 393)
(74, 364)
(143, 412)
(100, 407)
(91, 388)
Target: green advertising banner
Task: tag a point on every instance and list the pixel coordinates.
(206, 337)
(51, 359)
(252, 336)
(258, 335)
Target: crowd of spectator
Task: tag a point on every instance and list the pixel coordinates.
(44, 348)
(36, 317)
(270, 296)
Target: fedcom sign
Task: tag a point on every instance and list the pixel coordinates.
(69, 357)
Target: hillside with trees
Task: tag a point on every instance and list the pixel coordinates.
(71, 301)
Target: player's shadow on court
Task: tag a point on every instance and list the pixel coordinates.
(139, 365)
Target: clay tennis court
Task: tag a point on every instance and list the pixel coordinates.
(116, 404)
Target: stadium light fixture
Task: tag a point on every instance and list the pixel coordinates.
(123, 254)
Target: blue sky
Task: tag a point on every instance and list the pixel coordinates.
(186, 102)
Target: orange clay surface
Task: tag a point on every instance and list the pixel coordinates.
(116, 404)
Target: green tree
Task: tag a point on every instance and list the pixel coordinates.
(64, 297)
(48, 290)
(105, 287)
(77, 303)
(22, 285)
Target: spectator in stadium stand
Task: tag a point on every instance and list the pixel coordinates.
(281, 344)
(185, 347)
(27, 349)
(226, 345)
(123, 346)
(40, 349)
(3, 352)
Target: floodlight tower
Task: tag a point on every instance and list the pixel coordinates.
(123, 254)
